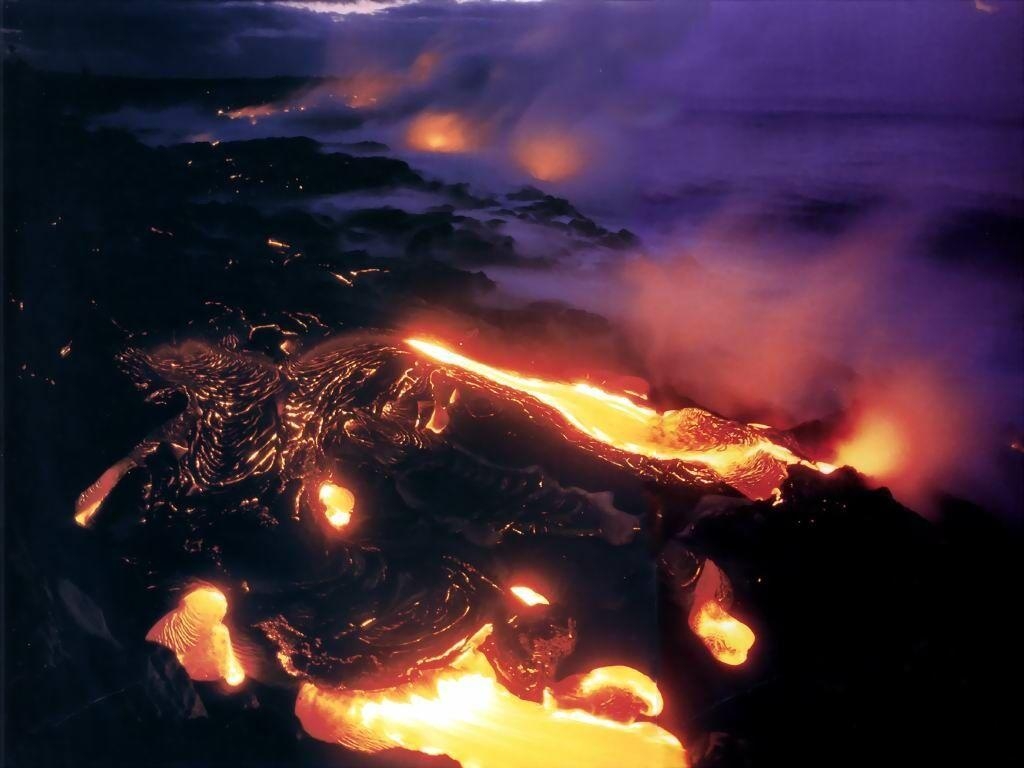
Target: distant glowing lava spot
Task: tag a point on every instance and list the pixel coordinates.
(440, 132)
(338, 503)
(464, 712)
(549, 157)
(728, 638)
(196, 633)
(253, 113)
(528, 596)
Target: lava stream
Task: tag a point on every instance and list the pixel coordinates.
(740, 454)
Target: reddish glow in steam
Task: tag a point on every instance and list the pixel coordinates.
(550, 156)
(441, 132)
(860, 329)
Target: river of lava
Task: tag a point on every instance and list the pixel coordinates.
(464, 712)
(740, 454)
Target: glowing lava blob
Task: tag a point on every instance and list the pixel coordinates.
(196, 633)
(529, 596)
(338, 504)
(728, 638)
(462, 711)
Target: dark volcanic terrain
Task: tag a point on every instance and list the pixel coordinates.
(882, 638)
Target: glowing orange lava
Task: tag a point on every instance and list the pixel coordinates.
(728, 638)
(195, 631)
(462, 711)
(549, 157)
(338, 504)
(736, 452)
(528, 596)
(440, 132)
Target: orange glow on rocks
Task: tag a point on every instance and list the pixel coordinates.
(528, 596)
(549, 157)
(196, 633)
(463, 712)
(728, 638)
(441, 132)
(338, 504)
(740, 454)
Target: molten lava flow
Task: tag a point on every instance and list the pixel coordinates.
(338, 504)
(196, 633)
(728, 638)
(528, 596)
(463, 712)
(741, 455)
(440, 132)
(549, 157)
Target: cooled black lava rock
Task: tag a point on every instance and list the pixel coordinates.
(869, 631)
